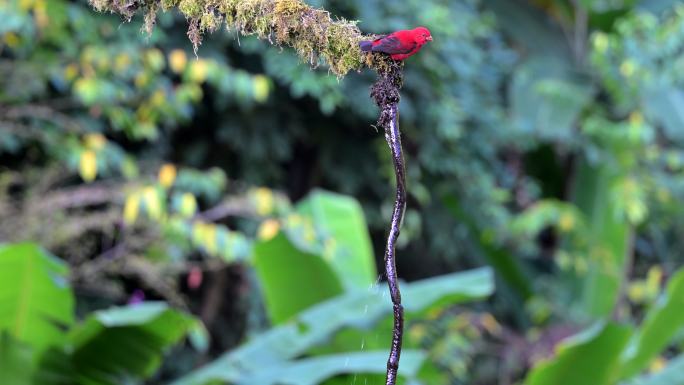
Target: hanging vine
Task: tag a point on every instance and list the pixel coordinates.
(385, 93)
(316, 38)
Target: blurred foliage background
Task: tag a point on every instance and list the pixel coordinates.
(172, 218)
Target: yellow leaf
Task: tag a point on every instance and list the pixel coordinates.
(653, 279)
(11, 39)
(204, 235)
(261, 86)
(40, 14)
(198, 71)
(490, 323)
(566, 222)
(209, 239)
(658, 364)
(268, 229)
(88, 165)
(152, 202)
(71, 72)
(637, 292)
(188, 206)
(131, 208)
(264, 201)
(167, 175)
(198, 230)
(25, 5)
(177, 60)
(95, 141)
(158, 98)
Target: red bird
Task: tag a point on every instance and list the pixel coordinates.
(399, 45)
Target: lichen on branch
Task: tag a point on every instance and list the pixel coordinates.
(312, 32)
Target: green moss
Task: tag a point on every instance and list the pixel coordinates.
(251, 17)
(190, 8)
(289, 7)
(210, 21)
(310, 31)
(168, 4)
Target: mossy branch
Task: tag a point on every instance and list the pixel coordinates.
(312, 32)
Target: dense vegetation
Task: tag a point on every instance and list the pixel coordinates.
(218, 215)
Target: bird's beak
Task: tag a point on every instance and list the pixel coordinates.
(429, 38)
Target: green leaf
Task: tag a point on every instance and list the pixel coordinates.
(672, 374)
(661, 324)
(503, 261)
(16, 361)
(312, 371)
(609, 236)
(531, 28)
(292, 280)
(656, 6)
(36, 303)
(665, 105)
(591, 357)
(341, 218)
(447, 290)
(316, 325)
(547, 97)
(114, 345)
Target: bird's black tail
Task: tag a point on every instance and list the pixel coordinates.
(366, 46)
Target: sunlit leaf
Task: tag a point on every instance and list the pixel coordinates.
(341, 219)
(131, 208)
(188, 205)
(268, 229)
(167, 175)
(177, 60)
(590, 357)
(292, 280)
(87, 165)
(261, 86)
(661, 324)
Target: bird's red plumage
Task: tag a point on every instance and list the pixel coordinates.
(400, 44)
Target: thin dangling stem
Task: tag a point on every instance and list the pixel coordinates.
(393, 138)
(385, 92)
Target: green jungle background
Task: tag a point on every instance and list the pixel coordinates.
(169, 217)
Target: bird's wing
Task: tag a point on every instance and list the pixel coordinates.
(392, 45)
